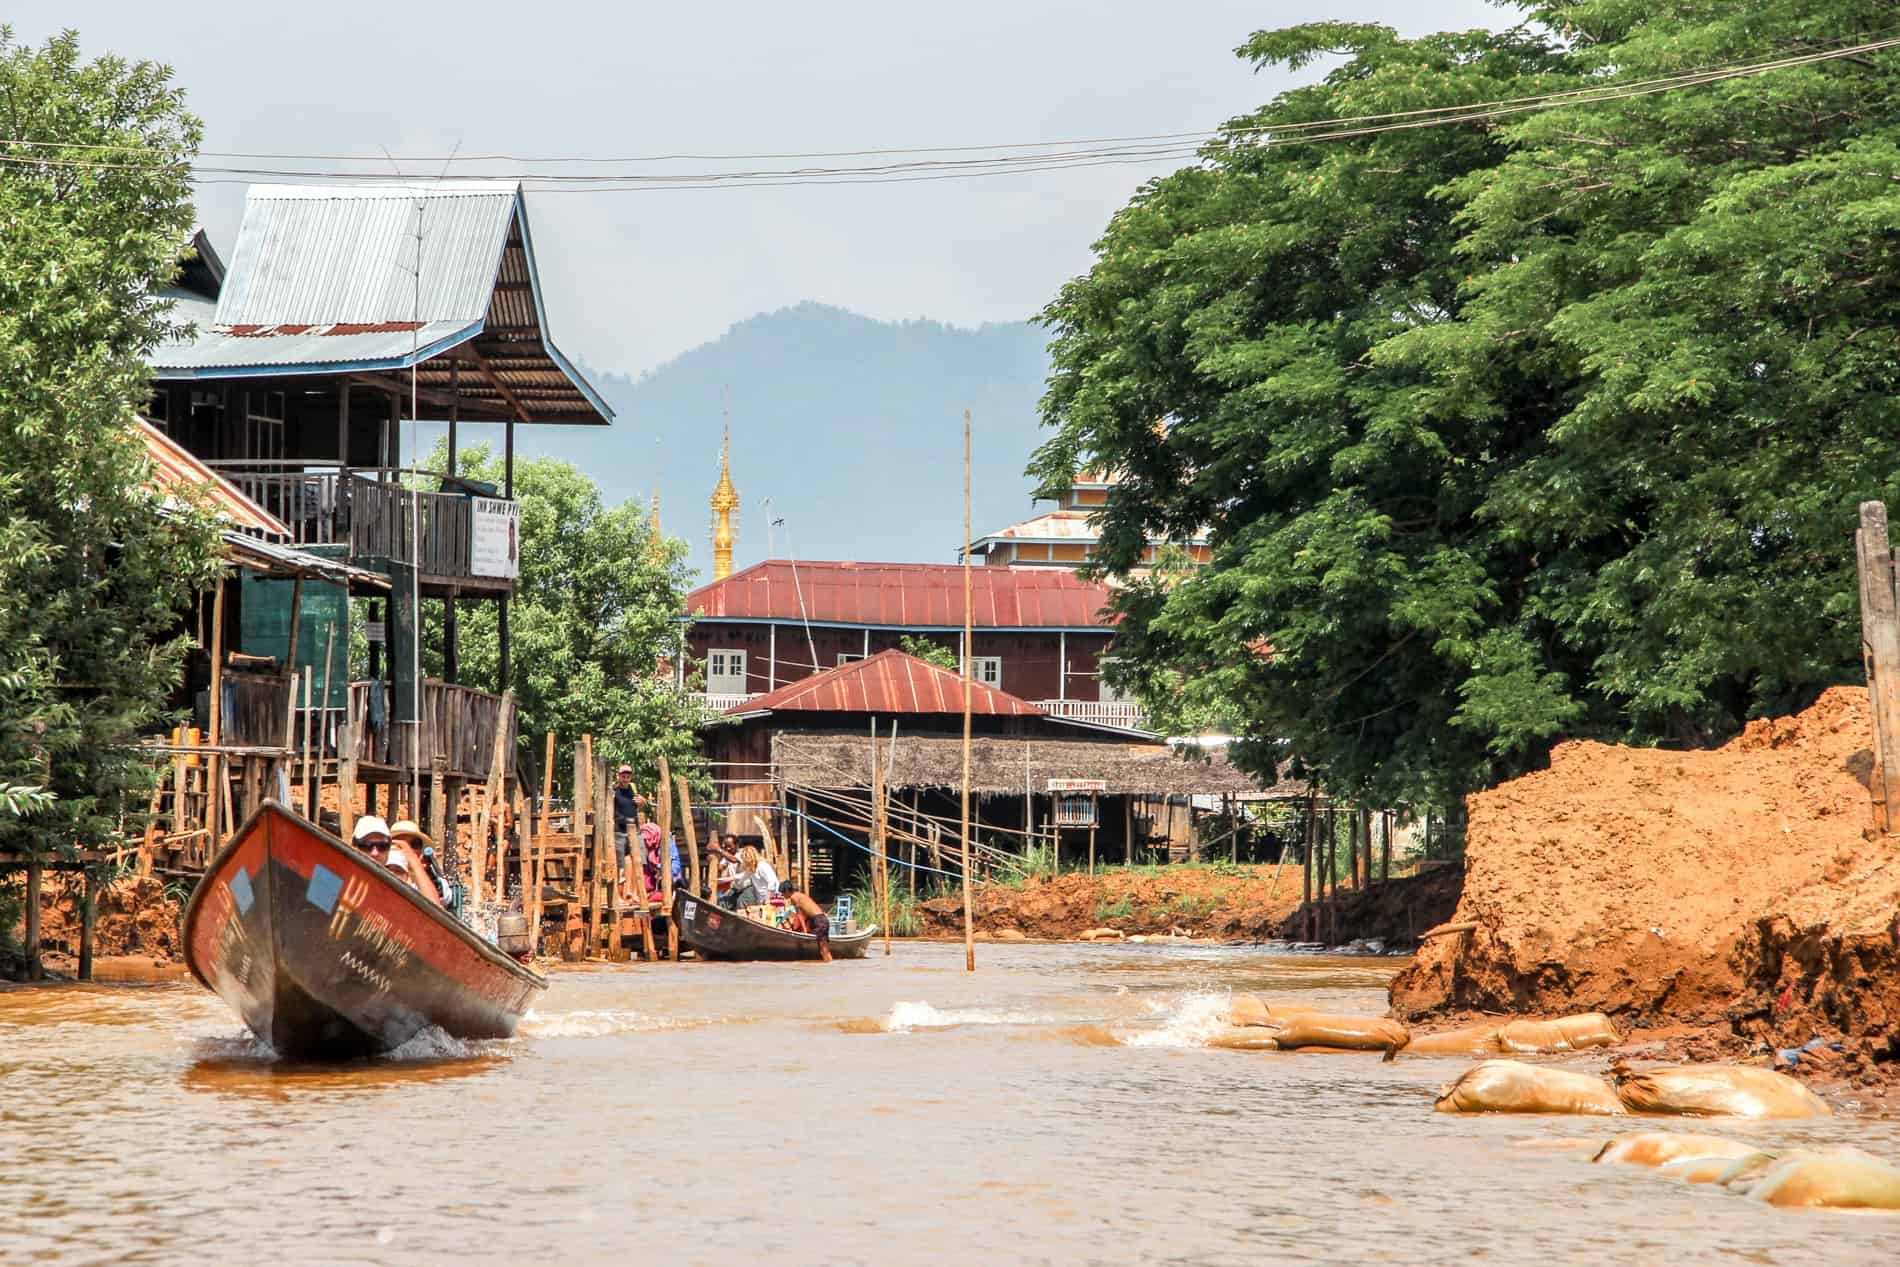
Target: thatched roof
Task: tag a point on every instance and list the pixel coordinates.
(997, 765)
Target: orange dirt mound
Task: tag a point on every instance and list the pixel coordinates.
(1735, 887)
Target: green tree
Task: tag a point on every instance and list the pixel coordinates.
(596, 624)
(1239, 302)
(928, 650)
(94, 573)
(1548, 427)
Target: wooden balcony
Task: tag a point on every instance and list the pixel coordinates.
(457, 721)
(372, 513)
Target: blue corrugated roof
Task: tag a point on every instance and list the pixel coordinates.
(325, 280)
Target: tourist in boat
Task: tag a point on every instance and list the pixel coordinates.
(732, 878)
(372, 837)
(407, 840)
(758, 872)
(808, 917)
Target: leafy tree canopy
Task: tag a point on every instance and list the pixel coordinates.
(928, 650)
(595, 624)
(94, 575)
(1544, 427)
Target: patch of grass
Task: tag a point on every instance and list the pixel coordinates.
(905, 919)
(1120, 909)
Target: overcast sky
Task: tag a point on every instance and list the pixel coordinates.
(636, 278)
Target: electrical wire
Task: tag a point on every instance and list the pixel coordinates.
(1045, 156)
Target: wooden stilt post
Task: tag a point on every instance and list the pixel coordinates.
(31, 943)
(88, 922)
(1332, 878)
(1306, 860)
(664, 799)
(346, 769)
(1880, 655)
(700, 881)
(1385, 849)
(605, 870)
(213, 784)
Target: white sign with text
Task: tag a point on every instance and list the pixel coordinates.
(494, 547)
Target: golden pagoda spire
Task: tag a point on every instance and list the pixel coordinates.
(656, 539)
(725, 501)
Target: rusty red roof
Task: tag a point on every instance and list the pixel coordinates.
(904, 596)
(888, 682)
(177, 470)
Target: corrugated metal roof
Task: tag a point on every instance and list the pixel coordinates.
(319, 255)
(271, 556)
(889, 682)
(1056, 527)
(325, 280)
(904, 596)
(177, 471)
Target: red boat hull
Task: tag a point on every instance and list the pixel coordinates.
(324, 954)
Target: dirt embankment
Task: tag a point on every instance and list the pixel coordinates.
(1245, 903)
(1228, 902)
(137, 918)
(1734, 895)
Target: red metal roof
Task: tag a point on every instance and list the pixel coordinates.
(178, 470)
(904, 596)
(889, 682)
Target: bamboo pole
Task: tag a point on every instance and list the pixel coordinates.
(665, 799)
(604, 858)
(346, 772)
(969, 923)
(881, 875)
(538, 868)
(213, 759)
(303, 776)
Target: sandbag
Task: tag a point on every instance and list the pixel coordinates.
(1566, 1033)
(1244, 1038)
(1696, 1169)
(1472, 1040)
(1353, 1033)
(1716, 1091)
(1838, 1181)
(1588, 1029)
(1510, 1086)
(1655, 1148)
(1247, 1010)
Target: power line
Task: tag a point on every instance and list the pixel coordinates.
(1047, 156)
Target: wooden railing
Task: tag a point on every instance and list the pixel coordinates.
(1125, 713)
(457, 721)
(326, 505)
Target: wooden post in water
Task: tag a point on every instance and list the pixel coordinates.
(88, 922)
(701, 881)
(1880, 655)
(969, 924)
(665, 800)
(31, 944)
(606, 859)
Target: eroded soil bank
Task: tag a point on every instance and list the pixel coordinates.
(1221, 902)
(1731, 902)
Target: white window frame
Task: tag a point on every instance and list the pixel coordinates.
(987, 670)
(848, 657)
(1103, 691)
(724, 667)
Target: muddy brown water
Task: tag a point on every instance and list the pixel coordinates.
(1056, 1108)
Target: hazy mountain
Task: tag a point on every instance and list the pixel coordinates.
(852, 427)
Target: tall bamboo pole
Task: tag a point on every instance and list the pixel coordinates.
(213, 783)
(664, 797)
(969, 924)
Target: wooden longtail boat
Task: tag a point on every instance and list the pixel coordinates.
(716, 933)
(326, 954)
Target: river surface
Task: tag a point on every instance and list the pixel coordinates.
(1056, 1107)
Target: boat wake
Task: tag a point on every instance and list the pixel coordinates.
(915, 1015)
(600, 1024)
(1186, 1020)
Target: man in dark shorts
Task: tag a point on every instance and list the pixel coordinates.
(811, 915)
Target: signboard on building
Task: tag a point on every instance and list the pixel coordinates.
(1078, 785)
(494, 545)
